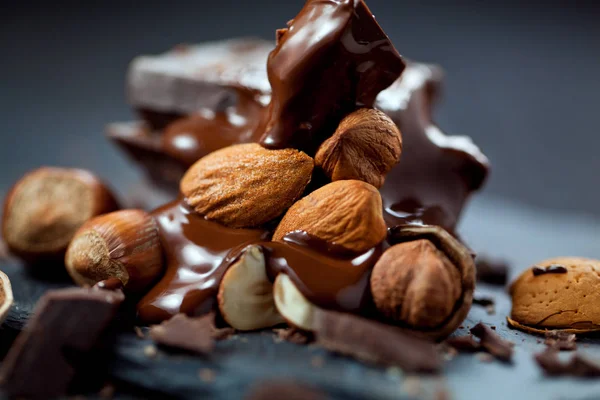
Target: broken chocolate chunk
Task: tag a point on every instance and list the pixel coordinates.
(578, 365)
(57, 341)
(561, 340)
(464, 344)
(195, 77)
(183, 332)
(493, 343)
(494, 272)
(374, 342)
(549, 269)
(315, 83)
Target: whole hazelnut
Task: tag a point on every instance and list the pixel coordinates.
(366, 146)
(44, 209)
(424, 283)
(123, 244)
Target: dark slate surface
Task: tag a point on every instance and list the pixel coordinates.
(521, 235)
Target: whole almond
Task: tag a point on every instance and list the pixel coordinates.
(366, 146)
(347, 213)
(557, 294)
(246, 185)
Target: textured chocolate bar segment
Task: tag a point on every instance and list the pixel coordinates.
(374, 342)
(193, 77)
(66, 326)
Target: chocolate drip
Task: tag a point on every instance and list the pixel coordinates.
(550, 269)
(236, 120)
(436, 173)
(332, 59)
(327, 275)
(196, 252)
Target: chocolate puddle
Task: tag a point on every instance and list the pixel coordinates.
(196, 252)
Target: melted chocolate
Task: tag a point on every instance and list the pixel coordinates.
(436, 173)
(196, 251)
(550, 269)
(332, 59)
(327, 275)
(236, 120)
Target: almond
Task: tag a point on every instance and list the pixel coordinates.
(346, 213)
(366, 146)
(557, 294)
(246, 185)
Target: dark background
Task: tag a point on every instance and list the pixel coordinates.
(522, 80)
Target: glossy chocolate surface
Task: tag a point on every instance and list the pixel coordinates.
(328, 276)
(436, 173)
(196, 251)
(236, 120)
(332, 59)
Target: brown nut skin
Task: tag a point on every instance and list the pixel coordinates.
(246, 185)
(558, 301)
(366, 146)
(345, 213)
(123, 244)
(44, 209)
(424, 283)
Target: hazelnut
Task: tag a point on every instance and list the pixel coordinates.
(44, 209)
(6, 296)
(246, 295)
(366, 146)
(346, 213)
(425, 283)
(123, 244)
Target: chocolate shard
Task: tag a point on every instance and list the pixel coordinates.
(194, 77)
(494, 272)
(288, 390)
(464, 344)
(482, 300)
(57, 341)
(560, 340)
(333, 59)
(493, 343)
(578, 365)
(186, 333)
(374, 342)
(549, 269)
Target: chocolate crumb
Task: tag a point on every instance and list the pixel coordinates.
(207, 375)
(284, 390)
(464, 344)
(494, 272)
(578, 365)
(187, 333)
(561, 340)
(550, 269)
(139, 332)
(317, 361)
(150, 351)
(493, 327)
(375, 342)
(494, 344)
(293, 335)
(461, 327)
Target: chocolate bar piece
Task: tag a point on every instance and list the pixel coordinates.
(332, 59)
(190, 78)
(66, 326)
